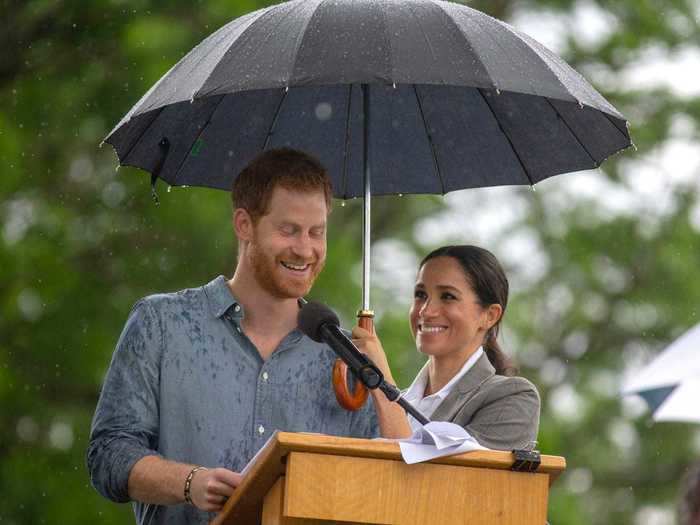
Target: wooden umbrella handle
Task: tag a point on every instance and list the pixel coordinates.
(346, 399)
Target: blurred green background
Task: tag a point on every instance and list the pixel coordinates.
(602, 264)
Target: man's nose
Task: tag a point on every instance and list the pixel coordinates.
(304, 246)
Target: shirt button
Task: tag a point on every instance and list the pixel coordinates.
(261, 429)
(237, 308)
(265, 376)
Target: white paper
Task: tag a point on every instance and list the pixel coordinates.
(435, 440)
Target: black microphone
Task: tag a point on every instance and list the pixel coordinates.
(322, 325)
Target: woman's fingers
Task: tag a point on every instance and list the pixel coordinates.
(361, 333)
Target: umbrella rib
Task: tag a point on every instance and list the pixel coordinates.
(238, 39)
(133, 144)
(347, 144)
(595, 162)
(430, 139)
(184, 158)
(610, 119)
(270, 131)
(512, 146)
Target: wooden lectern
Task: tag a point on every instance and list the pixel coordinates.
(313, 479)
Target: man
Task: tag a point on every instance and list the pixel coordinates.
(689, 503)
(201, 378)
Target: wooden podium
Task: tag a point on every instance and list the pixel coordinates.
(313, 479)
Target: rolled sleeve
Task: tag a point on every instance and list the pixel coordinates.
(125, 426)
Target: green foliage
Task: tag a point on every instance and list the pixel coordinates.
(80, 243)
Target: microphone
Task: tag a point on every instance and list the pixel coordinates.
(322, 325)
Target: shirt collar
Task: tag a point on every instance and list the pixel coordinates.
(221, 299)
(417, 388)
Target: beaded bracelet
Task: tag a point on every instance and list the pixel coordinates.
(188, 483)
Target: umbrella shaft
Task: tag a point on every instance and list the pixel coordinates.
(366, 217)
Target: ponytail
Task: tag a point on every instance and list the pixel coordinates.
(499, 360)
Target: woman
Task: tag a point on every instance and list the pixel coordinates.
(460, 296)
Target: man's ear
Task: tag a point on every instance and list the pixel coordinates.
(242, 224)
(493, 315)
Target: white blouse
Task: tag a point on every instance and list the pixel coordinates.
(427, 404)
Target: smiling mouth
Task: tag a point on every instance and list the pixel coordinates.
(423, 329)
(295, 267)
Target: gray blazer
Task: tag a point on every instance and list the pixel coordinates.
(502, 413)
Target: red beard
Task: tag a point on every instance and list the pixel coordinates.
(268, 272)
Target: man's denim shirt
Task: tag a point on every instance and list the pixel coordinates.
(185, 383)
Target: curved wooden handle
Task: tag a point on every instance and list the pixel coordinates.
(351, 400)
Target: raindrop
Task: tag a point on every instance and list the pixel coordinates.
(117, 168)
(393, 84)
(61, 435)
(498, 91)
(342, 204)
(27, 429)
(323, 111)
(286, 89)
(169, 188)
(400, 194)
(113, 194)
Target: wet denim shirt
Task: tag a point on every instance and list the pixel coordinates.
(185, 383)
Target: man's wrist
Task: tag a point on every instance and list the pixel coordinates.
(187, 492)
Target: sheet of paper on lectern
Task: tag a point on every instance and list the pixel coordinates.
(435, 440)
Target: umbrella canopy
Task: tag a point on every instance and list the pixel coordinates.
(426, 96)
(670, 384)
(458, 99)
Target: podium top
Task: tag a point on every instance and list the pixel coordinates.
(269, 464)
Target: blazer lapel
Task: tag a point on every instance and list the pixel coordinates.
(464, 389)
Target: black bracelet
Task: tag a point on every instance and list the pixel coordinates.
(188, 483)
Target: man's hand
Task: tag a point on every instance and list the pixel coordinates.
(211, 488)
(162, 482)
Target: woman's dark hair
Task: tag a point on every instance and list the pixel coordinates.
(488, 281)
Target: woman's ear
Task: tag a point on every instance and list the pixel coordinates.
(493, 315)
(242, 224)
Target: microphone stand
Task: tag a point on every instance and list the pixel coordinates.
(365, 370)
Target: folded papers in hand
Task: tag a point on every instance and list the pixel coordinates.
(435, 440)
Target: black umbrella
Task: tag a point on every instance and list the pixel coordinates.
(426, 96)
